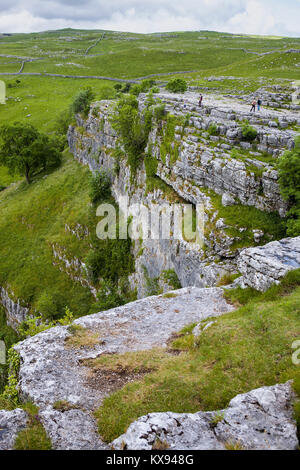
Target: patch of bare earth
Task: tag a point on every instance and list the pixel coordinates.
(109, 380)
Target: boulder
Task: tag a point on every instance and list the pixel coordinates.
(11, 423)
(265, 265)
(261, 419)
(228, 200)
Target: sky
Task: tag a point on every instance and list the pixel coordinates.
(267, 17)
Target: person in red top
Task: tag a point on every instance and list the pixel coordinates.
(253, 106)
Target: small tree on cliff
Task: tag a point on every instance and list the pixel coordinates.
(24, 150)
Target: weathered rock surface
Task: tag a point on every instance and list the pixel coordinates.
(261, 419)
(11, 423)
(15, 312)
(265, 265)
(71, 430)
(51, 370)
(202, 162)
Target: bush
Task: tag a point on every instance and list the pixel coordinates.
(135, 90)
(213, 129)
(82, 102)
(289, 182)
(118, 86)
(171, 278)
(248, 132)
(132, 128)
(177, 85)
(100, 187)
(160, 112)
(126, 88)
(110, 260)
(151, 164)
(50, 305)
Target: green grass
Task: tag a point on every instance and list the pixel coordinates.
(34, 436)
(33, 217)
(249, 217)
(243, 350)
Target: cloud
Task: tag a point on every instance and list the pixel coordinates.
(144, 16)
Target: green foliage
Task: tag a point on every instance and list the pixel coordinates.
(151, 164)
(213, 129)
(244, 350)
(289, 181)
(25, 150)
(10, 395)
(248, 132)
(132, 128)
(171, 278)
(34, 436)
(159, 112)
(9, 336)
(177, 85)
(169, 146)
(110, 260)
(82, 102)
(50, 304)
(100, 185)
(152, 284)
(35, 325)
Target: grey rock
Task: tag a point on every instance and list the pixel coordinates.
(261, 419)
(228, 200)
(71, 430)
(266, 265)
(51, 370)
(11, 423)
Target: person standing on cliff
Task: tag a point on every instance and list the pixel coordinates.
(258, 104)
(200, 100)
(253, 106)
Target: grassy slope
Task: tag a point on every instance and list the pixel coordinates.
(243, 350)
(31, 218)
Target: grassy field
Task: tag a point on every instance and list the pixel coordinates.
(243, 350)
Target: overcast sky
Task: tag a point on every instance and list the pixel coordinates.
(275, 17)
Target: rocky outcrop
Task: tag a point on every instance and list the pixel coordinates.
(11, 423)
(261, 419)
(52, 368)
(203, 163)
(266, 265)
(15, 312)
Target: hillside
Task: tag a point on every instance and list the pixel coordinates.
(123, 328)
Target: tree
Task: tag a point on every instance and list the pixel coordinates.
(25, 150)
(177, 85)
(82, 101)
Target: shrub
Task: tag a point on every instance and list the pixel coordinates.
(151, 166)
(110, 260)
(248, 132)
(100, 186)
(50, 305)
(135, 90)
(147, 84)
(132, 128)
(82, 102)
(118, 86)
(213, 129)
(289, 182)
(126, 88)
(159, 112)
(171, 278)
(177, 85)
